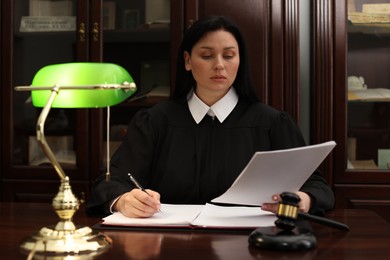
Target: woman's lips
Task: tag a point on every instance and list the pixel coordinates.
(218, 78)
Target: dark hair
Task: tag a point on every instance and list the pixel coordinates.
(184, 79)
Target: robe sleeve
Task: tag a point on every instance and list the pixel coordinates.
(133, 156)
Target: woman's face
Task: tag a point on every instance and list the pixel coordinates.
(214, 62)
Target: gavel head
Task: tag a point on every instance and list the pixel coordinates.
(287, 212)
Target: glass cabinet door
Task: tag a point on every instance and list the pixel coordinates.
(38, 33)
(368, 63)
(136, 35)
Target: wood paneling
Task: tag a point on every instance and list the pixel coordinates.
(361, 196)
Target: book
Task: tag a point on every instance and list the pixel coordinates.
(197, 216)
(157, 10)
(368, 18)
(362, 164)
(371, 94)
(62, 147)
(383, 8)
(109, 9)
(47, 23)
(384, 159)
(50, 8)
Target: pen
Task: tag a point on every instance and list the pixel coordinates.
(136, 183)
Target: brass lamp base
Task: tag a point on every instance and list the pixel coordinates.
(50, 243)
(64, 239)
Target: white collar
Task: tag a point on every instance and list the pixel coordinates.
(221, 109)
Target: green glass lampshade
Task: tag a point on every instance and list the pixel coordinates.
(82, 74)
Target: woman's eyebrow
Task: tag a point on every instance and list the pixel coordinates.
(212, 48)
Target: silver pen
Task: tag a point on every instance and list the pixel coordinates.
(136, 183)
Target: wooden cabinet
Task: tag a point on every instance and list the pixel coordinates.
(1, 107)
(28, 45)
(359, 125)
(133, 34)
(37, 33)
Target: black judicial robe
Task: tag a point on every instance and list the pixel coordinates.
(189, 163)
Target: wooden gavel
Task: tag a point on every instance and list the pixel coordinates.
(288, 213)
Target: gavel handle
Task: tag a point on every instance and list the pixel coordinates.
(324, 221)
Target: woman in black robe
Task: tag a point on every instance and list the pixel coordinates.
(191, 148)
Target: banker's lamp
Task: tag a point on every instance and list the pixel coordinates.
(72, 85)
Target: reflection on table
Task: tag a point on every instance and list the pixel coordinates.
(368, 238)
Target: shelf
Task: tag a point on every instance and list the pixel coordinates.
(154, 35)
(144, 102)
(159, 35)
(66, 35)
(373, 29)
(369, 95)
(369, 23)
(367, 132)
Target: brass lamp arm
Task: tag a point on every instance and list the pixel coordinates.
(41, 133)
(125, 85)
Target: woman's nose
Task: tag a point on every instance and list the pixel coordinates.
(218, 64)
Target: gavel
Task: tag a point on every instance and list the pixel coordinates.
(288, 213)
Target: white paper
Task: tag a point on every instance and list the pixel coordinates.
(170, 215)
(204, 216)
(274, 172)
(213, 216)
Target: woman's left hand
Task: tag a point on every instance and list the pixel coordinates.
(304, 204)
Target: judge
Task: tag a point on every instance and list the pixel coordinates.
(191, 148)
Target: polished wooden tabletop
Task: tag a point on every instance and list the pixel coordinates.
(368, 238)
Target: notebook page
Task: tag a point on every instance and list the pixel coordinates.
(170, 215)
(213, 216)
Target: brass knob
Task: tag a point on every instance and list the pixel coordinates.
(190, 22)
(95, 32)
(82, 32)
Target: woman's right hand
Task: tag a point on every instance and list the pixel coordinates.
(138, 204)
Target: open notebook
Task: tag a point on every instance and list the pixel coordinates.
(198, 216)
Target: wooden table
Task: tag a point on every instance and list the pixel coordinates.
(369, 238)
